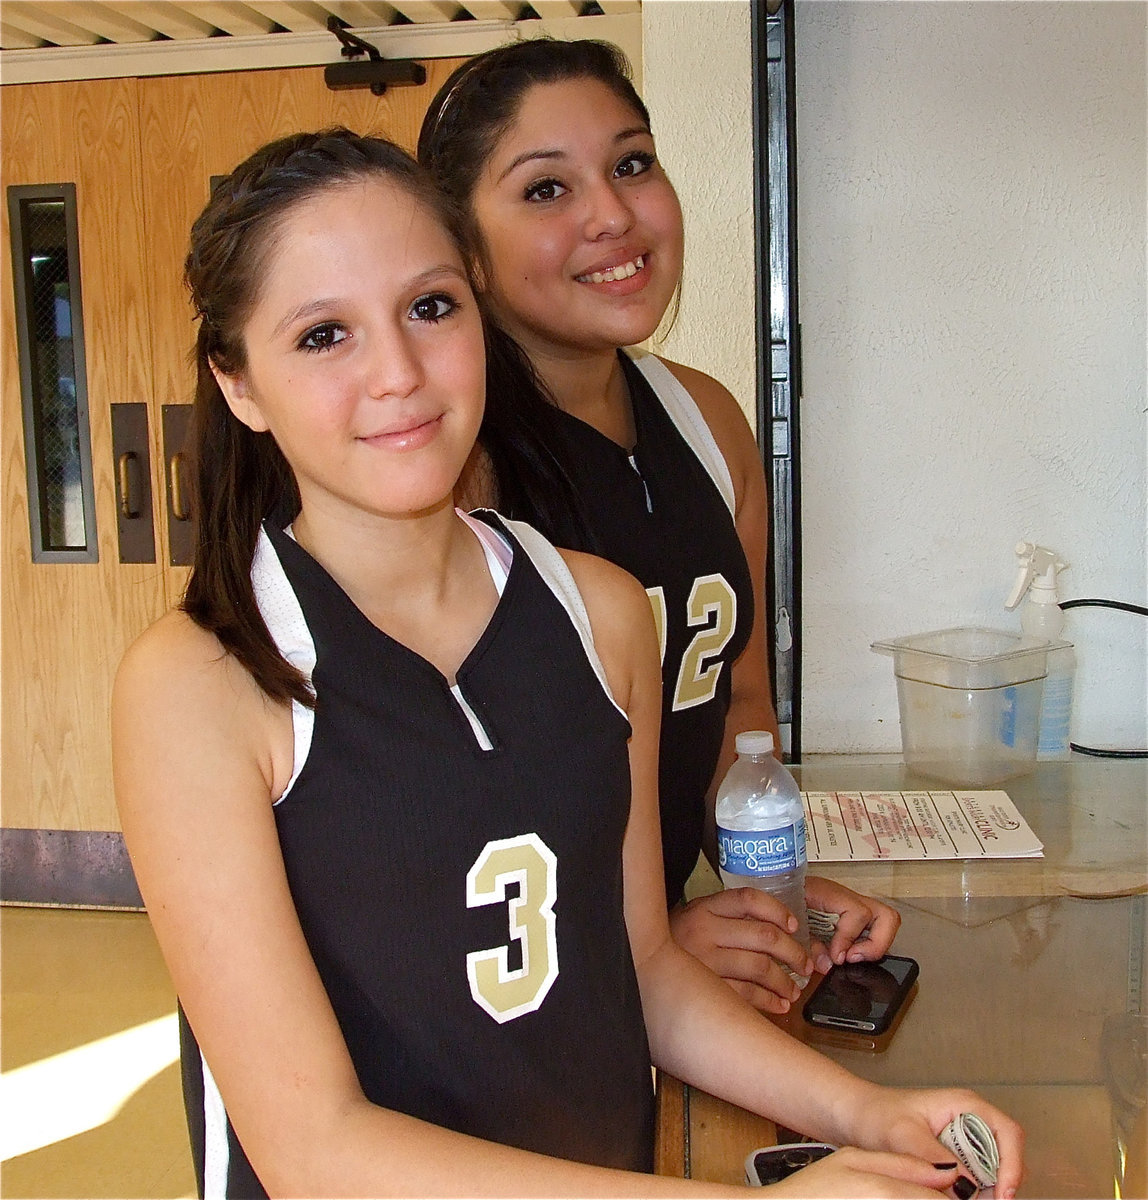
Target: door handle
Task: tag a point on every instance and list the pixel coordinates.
(132, 460)
(180, 509)
(128, 466)
(180, 517)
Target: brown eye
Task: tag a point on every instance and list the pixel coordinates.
(323, 337)
(636, 163)
(433, 308)
(544, 189)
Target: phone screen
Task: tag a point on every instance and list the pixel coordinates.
(862, 996)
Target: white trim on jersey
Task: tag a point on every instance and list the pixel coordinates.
(284, 618)
(556, 575)
(499, 552)
(216, 1146)
(687, 417)
(279, 607)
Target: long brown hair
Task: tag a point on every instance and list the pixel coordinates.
(239, 477)
(463, 125)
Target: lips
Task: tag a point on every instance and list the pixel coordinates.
(407, 434)
(611, 274)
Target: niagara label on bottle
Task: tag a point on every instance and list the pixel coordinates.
(761, 828)
(756, 854)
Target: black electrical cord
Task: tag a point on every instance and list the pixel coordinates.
(1120, 604)
(1123, 607)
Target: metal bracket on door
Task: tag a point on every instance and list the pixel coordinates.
(180, 530)
(132, 454)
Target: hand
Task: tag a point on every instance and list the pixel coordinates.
(744, 936)
(907, 1121)
(859, 915)
(864, 1173)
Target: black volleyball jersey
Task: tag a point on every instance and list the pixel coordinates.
(455, 858)
(665, 514)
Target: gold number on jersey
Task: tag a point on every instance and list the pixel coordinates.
(713, 605)
(527, 861)
(658, 605)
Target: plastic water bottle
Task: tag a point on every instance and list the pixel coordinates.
(761, 827)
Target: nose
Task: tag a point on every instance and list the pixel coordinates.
(608, 214)
(394, 367)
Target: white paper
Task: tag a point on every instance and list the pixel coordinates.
(915, 826)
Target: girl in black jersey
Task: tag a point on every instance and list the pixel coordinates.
(652, 465)
(388, 776)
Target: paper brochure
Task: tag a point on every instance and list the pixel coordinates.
(915, 826)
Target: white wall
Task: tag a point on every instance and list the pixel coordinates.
(697, 86)
(971, 209)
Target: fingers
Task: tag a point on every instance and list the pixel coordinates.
(747, 902)
(864, 1173)
(883, 926)
(763, 999)
(727, 932)
(865, 927)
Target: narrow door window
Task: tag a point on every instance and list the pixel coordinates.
(53, 383)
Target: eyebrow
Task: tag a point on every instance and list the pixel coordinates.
(546, 155)
(322, 304)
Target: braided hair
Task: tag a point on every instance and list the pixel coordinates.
(240, 477)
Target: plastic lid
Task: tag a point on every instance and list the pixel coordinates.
(754, 741)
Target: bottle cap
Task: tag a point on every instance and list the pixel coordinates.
(754, 741)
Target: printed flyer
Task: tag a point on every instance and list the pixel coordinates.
(894, 826)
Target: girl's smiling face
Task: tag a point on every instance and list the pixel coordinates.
(582, 229)
(364, 351)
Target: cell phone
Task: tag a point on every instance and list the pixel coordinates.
(774, 1163)
(863, 996)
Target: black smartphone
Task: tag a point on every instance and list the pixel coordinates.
(775, 1163)
(864, 996)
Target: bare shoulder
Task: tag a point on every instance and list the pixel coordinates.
(717, 403)
(178, 686)
(177, 658)
(610, 593)
(724, 416)
(620, 618)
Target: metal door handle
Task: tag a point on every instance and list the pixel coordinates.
(179, 506)
(128, 467)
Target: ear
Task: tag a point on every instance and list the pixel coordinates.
(244, 407)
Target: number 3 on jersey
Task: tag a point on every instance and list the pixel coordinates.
(713, 605)
(530, 863)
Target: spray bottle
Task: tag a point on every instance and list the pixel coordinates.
(1042, 617)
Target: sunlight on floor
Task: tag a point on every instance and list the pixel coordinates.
(90, 1101)
(72, 1092)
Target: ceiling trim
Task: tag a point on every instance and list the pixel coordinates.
(448, 39)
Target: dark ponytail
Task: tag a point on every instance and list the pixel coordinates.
(239, 477)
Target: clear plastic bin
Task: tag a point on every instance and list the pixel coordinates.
(969, 701)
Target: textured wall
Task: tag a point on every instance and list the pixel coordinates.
(972, 205)
(696, 67)
(972, 289)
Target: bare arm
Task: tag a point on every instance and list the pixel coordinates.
(699, 1029)
(745, 936)
(199, 757)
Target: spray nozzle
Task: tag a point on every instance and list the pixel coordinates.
(1037, 569)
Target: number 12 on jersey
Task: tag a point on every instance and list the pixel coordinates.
(712, 604)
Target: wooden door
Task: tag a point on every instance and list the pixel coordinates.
(65, 625)
(141, 153)
(194, 127)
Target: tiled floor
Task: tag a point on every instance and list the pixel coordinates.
(89, 1096)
